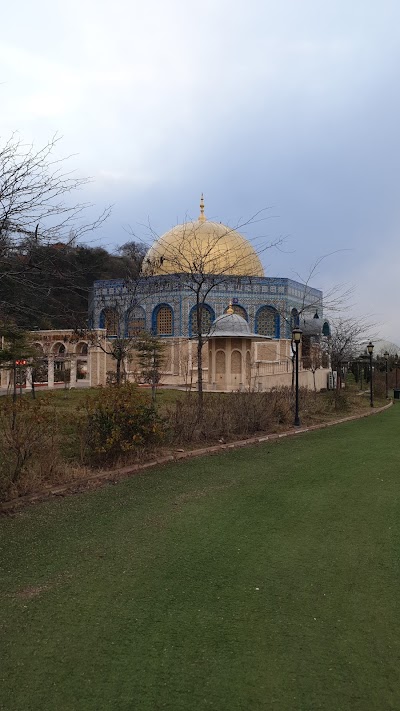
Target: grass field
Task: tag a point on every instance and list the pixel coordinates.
(265, 578)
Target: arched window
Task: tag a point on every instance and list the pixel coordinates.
(238, 310)
(220, 362)
(294, 319)
(135, 321)
(109, 320)
(207, 318)
(163, 320)
(236, 363)
(326, 329)
(267, 322)
(81, 348)
(59, 349)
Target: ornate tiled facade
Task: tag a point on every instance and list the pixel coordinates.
(165, 305)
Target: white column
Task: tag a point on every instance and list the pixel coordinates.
(50, 372)
(89, 366)
(5, 374)
(72, 372)
(28, 379)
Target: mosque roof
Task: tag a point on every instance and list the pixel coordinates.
(231, 325)
(205, 247)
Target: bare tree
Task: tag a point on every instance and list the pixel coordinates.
(134, 252)
(37, 209)
(312, 303)
(34, 196)
(120, 342)
(123, 327)
(336, 298)
(349, 335)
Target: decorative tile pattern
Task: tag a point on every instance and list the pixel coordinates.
(251, 293)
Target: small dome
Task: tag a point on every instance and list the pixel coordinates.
(204, 247)
(380, 346)
(230, 326)
(311, 326)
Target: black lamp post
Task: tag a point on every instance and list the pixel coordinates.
(386, 357)
(396, 362)
(370, 349)
(296, 337)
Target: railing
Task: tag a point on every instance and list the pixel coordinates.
(274, 367)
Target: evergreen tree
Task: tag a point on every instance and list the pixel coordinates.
(151, 356)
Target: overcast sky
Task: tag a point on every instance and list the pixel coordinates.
(292, 105)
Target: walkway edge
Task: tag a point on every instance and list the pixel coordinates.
(114, 475)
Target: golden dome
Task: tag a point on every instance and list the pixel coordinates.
(203, 247)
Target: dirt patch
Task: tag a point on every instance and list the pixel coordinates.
(31, 592)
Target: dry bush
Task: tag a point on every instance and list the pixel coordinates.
(317, 407)
(229, 415)
(29, 448)
(379, 385)
(241, 415)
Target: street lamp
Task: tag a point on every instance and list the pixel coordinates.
(296, 337)
(386, 357)
(396, 362)
(370, 349)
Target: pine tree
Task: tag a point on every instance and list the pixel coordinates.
(151, 353)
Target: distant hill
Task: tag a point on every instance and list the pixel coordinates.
(49, 286)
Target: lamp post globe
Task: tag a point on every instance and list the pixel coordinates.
(296, 338)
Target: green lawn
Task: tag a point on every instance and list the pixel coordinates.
(265, 578)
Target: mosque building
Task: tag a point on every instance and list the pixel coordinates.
(209, 267)
(201, 282)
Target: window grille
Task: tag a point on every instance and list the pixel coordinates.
(268, 322)
(111, 322)
(164, 321)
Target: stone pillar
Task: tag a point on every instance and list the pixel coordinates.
(5, 374)
(228, 364)
(89, 366)
(72, 373)
(243, 383)
(98, 366)
(50, 372)
(28, 379)
(211, 364)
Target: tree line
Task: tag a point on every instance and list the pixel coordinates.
(47, 286)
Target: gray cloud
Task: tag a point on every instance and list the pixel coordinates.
(290, 105)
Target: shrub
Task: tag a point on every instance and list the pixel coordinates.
(119, 420)
(350, 381)
(237, 414)
(338, 400)
(28, 446)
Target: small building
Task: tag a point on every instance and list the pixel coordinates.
(63, 357)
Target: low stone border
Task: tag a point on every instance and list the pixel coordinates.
(114, 475)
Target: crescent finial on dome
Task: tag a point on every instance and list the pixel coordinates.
(202, 217)
(230, 309)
